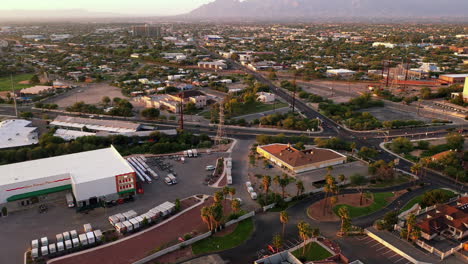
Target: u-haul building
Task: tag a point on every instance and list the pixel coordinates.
(92, 176)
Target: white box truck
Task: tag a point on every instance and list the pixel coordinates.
(76, 242)
(73, 234)
(170, 179)
(90, 237)
(248, 184)
(113, 219)
(190, 153)
(87, 228)
(70, 200)
(128, 226)
(253, 195)
(98, 235)
(66, 235)
(68, 244)
(83, 239)
(121, 217)
(60, 247)
(130, 214)
(35, 253)
(186, 153)
(195, 152)
(250, 189)
(44, 241)
(45, 250)
(134, 223)
(52, 248)
(35, 243)
(59, 237)
(120, 227)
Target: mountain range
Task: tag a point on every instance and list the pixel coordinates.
(314, 9)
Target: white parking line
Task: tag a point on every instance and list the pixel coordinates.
(369, 241)
(389, 250)
(384, 247)
(396, 254)
(402, 258)
(378, 244)
(363, 238)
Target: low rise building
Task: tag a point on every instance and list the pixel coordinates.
(93, 176)
(17, 133)
(384, 44)
(172, 102)
(453, 78)
(35, 90)
(342, 73)
(297, 161)
(216, 65)
(464, 94)
(265, 97)
(90, 124)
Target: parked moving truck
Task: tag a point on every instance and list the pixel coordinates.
(170, 179)
(70, 200)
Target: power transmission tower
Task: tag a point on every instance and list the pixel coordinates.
(221, 133)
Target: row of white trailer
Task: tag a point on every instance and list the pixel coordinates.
(142, 169)
(65, 241)
(251, 190)
(191, 153)
(131, 221)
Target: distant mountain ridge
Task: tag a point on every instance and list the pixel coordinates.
(310, 9)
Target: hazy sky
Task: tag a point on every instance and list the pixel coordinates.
(154, 7)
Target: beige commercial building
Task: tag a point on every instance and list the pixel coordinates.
(286, 156)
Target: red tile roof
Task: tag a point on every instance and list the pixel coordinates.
(446, 215)
(296, 158)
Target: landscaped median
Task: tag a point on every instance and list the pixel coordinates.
(241, 233)
(419, 199)
(379, 201)
(313, 252)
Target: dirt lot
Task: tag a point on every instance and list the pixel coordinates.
(316, 211)
(88, 93)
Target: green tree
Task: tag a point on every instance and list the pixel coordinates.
(401, 145)
(300, 188)
(266, 181)
(34, 80)
(277, 242)
(305, 232)
(284, 219)
(235, 205)
(105, 100)
(455, 141)
(343, 213)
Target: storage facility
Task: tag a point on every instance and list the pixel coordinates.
(92, 176)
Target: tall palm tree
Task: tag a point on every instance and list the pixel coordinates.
(266, 181)
(284, 219)
(327, 190)
(206, 218)
(218, 197)
(225, 193)
(300, 188)
(283, 183)
(277, 242)
(305, 232)
(410, 223)
(343, 213)
(235, 205)
(232, 192)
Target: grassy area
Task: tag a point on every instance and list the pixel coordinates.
(314, 252)
(212, 244)
(397, 181)
(419, 198)
(257, 107)
(5, 82)
(380, 201)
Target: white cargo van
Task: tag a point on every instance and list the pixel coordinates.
(210, 167)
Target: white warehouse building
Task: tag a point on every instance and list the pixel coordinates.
(92, 177)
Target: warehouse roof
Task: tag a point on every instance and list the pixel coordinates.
(95, 124)
(81, 167)
(297, 158)
(461, 75)
(16, 133)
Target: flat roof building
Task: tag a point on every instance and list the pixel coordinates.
(453, 78)
(92, 176)
(17, 133)
(286, 156)
(95, 124)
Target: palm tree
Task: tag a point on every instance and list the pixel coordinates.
(300, 188)
(283, 183)
(232, 192)
(343, 213)
(333, 201)
(342, 178)
(284, 219)
(217, 211)
(327, 189)
(353, 147)
(235, 205)
(315, 232)
(206, 217)
(305, 232)
(410, 223)
(225, 193)
(266, 181)
(218, 197)
(277, 242)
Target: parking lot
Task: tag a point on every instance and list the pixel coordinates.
(368, 250)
